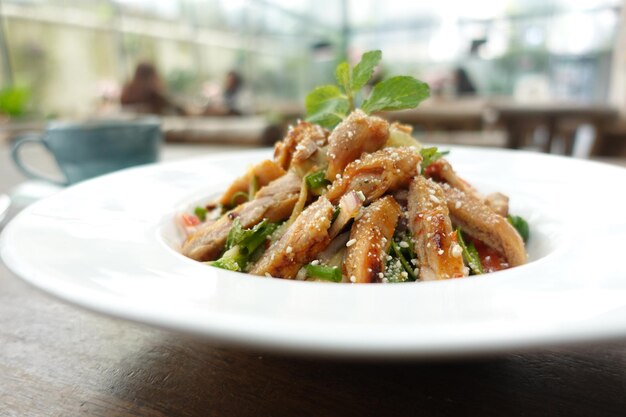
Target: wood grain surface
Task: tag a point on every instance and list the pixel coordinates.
(59, 360)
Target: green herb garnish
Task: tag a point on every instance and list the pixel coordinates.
(470, 254)
(430, 155)
(328, 273)
(200, 213)
(316, 181)
(520, 225)
(329, 104)
(242, 243)
(397, 251)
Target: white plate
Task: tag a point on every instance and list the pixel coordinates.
(106, 244)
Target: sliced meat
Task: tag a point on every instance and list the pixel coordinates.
(482, 223)
(265, 172)
(385, 170)
(438, 253)
(300, 244)
(358, 133)
(499, 203)
(441, 171)
(274, 202)
(370, 239)
(303, 131)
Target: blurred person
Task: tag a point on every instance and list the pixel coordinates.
(234, 99)
(145, 93)
(463, 83)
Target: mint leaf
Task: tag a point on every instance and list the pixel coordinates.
(396, 93)
(326, 106)
(364, 70)
(318, 100)
(342, 74)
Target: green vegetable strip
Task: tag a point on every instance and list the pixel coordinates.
(258, 235)
(405, 264)
(253, 187)
(328, 273)
(336, 213)
(233, 200)
(316, 180)
(470, 254)
(200, 212)
(226, 263)
(521, 226)
(241, 244)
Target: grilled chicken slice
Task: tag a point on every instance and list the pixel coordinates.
(370, 239)
(499, 203)
(358, 133)
(302, 132)
(385, 170)
(438, 253)
(441, 171)
(480, 222)
(300, 244)
(274, 202)
(265, 172)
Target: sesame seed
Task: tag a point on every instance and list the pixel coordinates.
(440, 251)
(315, 262)
(403, 244)
(337, 176)
(289, 249)
(360, 195)
(350, 242)
(381, 275)
(267, 274)
(458, 205)
(435, 199)
(353, 279)
(300, 147)
(457, 251)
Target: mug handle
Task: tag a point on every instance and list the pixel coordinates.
(17, 158)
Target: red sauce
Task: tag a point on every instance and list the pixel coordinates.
(433, 171)
(491, 259)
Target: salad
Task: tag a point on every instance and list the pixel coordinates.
(349, 197)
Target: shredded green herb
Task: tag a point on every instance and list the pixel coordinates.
(200, 212)
(430, 155)
(242, 243)
(470, 254)
(328, 273)
(397, 251)
(316, 181)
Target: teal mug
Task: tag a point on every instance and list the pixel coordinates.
(89, 149)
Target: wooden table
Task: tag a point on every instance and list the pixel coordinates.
(558, 118)
(59, 360)
(518, 119)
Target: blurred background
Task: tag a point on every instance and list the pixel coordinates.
(548, 75)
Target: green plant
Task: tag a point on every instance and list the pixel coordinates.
(14, 101)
